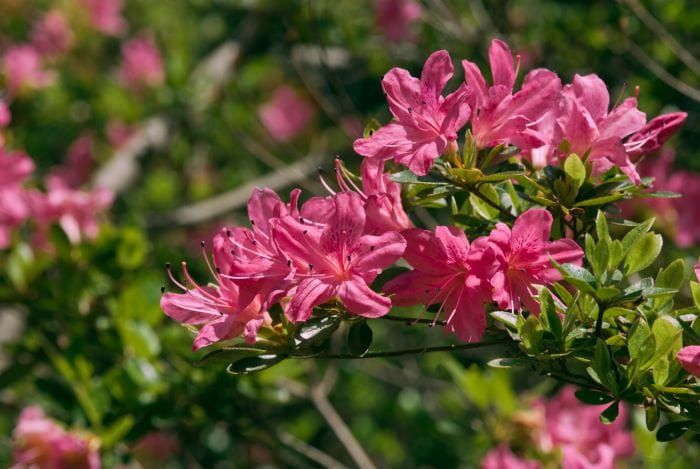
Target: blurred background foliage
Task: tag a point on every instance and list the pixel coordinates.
(87, 339)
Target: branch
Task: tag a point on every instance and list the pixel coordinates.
(309, 451)
(659, 30)
(415, 351)
(661, 73)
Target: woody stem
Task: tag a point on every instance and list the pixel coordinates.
(416, 351)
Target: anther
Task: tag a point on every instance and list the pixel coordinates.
(202, 243)
(167, 265)
(305, 231)
(289, 263)
(252, 222)
(349, 258)
(311, 267)
(320, 170)
(371, 248)
(228, 233)
(162, 289)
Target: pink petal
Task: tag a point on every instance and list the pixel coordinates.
(689, 358)
(502, 67)
(403, 92)
(623, 120)
(437, 71)
(532, 228)
(187, 309)
(592, 93)
(310, 292)
(222, 329)
(359, 299)
(384, 143)
(378, 252)
(345, 226)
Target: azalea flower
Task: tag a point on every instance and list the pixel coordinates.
(498, 115)
(14, 208)
(79, 163)
(141, 63)
(689, 358)
(395, 17)
(106, 16)
(448, 271)
(426, 123)
(286, 114)
(524, 254)
(654, 134)
(5, 116)
(24, 68)
(337, 260)
(503, 458)
(586, 442)
(40, 442)
(51, 35)
(585, 127)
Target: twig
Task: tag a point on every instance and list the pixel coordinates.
(490, 202)
(415, 351)
(659, 30)
(408, 320)
(318, 395)
(309, 451)
(661, 73)
(219, 205)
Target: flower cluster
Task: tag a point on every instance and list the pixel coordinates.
(63, 202)
(27, 65)
(565, 427)
(543, 119)
(41, 442)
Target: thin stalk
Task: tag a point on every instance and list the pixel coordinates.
(490, 202)
(415, 351)
(411, 321)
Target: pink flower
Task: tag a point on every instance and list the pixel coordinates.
(5, 116)
(23, 66)
(380, 195)
(689, 358)
(79, 162)
(141, 63)
(105, 16)
(118, 133)
(157, 446)
(395, 17)
(76, 211)
(503, 458)
(14, 209)
(337, 260)
(51, 35)
(584, 126)
(426, 123)
(450, 272)
(524, 256)
(498, 115)
(286, 114)
(40, 442)
(654, 134)
(586, 441)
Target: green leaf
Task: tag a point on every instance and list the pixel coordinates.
(575, 170)
(506, 317)
(316, 330)
(638, 335)
(673, 430)
(531, 335)
(695, 291)
(672, 276)
(588, 396)
(255, 363)
(660, 371)
(634, 234)
(230, 354)
(548, 314)
(601, 227)
(651, 417)
(483, 208)
(610, 414)
(502, 176)
(116, 432)
(603, 365)
(359, 338)
(577, 276)
(643, 252)
(615, 255)
(507, 362)
(668, 334)
(599, 200)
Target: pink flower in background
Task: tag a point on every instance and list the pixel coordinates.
(118, 133)
(395, 17)
(337, 260)
(75, 211)
(426, 123)
(498, 115)
(524, 255)
(24, 68)
(14, 208)
(5, 115)
(39, 442)
(157, 446)
(586, 441)
(680, 217)
(141, 63)
(447, 270)
(503, 458)
(689, 358)
(51, 35)
(106, 16)
(79, 163)
(286, 114)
